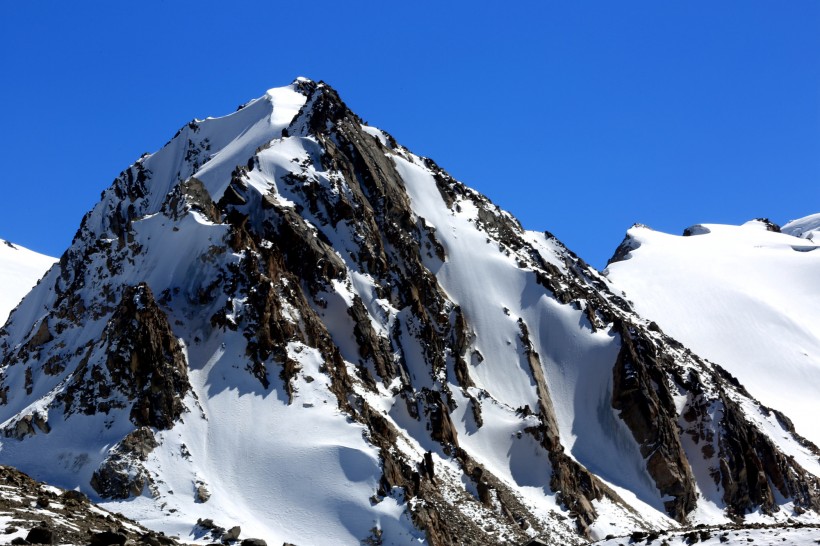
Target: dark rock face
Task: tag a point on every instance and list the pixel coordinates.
(122, 475)
(753, 470)
(645, 404)
(372, 347)
(190, 195)
(144, 366)
(622, 252)
(202, 494)
(145, 360)
(746, 464)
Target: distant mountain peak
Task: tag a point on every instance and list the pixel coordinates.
(20, 269)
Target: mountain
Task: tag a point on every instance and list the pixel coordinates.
(744, 297)
(20, 269)
(285, 321)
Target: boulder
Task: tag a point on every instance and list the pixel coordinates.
(107, 538)
(202, 494)
(40, 535)
(231, 534)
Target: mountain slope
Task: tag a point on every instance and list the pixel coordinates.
(284, 319)
(744, 297)
(20, 269)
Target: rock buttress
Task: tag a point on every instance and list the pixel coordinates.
(145, 360)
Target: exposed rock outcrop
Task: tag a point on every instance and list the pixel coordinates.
(122, 474)
(641, 396)
(145, 360)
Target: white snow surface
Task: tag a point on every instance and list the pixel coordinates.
(745, 298)
(20, 269)
(807, 227)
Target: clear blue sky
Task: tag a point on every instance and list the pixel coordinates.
(578, 117)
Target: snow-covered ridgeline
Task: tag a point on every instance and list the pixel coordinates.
(20, 269)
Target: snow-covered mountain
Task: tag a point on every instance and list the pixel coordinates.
(745, 297)
(286, 321)
(807, 228)
(20, 269)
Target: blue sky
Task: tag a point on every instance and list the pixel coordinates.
(579, 117)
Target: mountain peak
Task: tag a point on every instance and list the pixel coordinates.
(283, 307)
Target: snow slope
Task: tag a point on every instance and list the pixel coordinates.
(20, 269)
(742, 296)
(807, 227)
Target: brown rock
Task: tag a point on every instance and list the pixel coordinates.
(40, 535)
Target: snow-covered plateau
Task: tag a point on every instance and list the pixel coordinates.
(283, 325)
